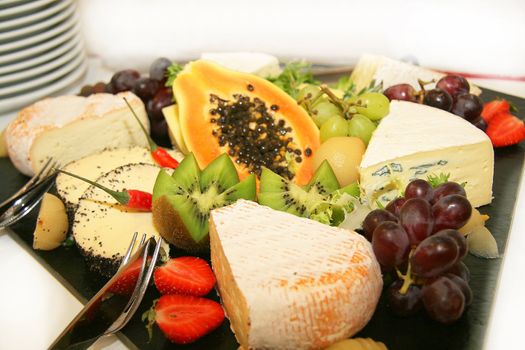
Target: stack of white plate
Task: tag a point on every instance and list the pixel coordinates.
(41, 50)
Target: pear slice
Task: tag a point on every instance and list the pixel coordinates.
(482, 243)
(51, 225)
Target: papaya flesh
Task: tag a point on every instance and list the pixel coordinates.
(249, 118)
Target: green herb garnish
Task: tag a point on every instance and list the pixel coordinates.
(293, 76)
(436, 180)
(172, 72)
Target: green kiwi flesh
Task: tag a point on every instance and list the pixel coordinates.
(320, 199)
(182, 202)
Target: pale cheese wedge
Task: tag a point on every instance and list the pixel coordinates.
(3, 146)
(67, 128)
(414, 141)
(261, 64)
(288, 282)
(171, 114)
(390, 72)
(51, 224)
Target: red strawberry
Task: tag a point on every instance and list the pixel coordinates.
(127, 281)
(505, 129)
(185, 275)
(492, 108)
(183, 318)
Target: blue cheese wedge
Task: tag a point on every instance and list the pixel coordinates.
(415, 141)
(288, 282)
(102, 228)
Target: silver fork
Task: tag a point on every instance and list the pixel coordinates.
(68, 340)
(26, 202)
(41, 175)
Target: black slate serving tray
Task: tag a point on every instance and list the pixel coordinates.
(418, 332)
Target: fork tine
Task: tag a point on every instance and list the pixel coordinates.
(53, 166)
(45, 169)
(33, 181)
(120, 321)
(26, 202)
(125, 259)
(139, 291)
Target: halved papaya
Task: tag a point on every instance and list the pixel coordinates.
(252, 120)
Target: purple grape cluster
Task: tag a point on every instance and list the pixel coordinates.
(418, 234)
(150, 89)
(450, 94)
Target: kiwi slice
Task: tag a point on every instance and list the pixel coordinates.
(182, 202)
(320, 199)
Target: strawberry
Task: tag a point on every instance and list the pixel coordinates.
(125, 284)
(494, 107)
(185, 275)
(505, 129)
(183, 318)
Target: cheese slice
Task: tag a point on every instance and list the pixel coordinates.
(67, 128)
(92, 167)
(390, 72)
(414, 141)
(102, 228)
(260, 64)
(288, 282)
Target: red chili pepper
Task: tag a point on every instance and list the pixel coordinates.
(164, 159)
(133, 199)
(139, 200)
(159, 154)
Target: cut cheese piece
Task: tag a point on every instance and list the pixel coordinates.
(92, 167)
(260, 64)
(71, 127)
(390, 72)
(288, 282)
(103, 229)
(3, 146)
(171, 114)
(414, 141)
(51, 224)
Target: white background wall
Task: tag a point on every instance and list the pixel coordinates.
(467, 36)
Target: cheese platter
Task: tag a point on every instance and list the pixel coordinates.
(302, 193)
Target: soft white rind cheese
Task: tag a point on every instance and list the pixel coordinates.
(260, 64)
(392, 72)
(92, 167)
(291, 283)
(71, 127)
(102, 228)
(414, 141)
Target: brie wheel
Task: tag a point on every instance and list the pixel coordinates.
(288, 282)
(67, 128)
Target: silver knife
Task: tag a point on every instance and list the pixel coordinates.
(107, 313)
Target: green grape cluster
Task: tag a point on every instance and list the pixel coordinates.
(356, 115)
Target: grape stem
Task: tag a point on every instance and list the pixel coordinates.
(422, 83)
(308, 101)
(343, 105)
(406, 278)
